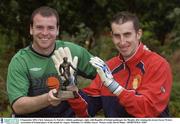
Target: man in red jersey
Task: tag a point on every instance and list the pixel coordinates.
(136, 83)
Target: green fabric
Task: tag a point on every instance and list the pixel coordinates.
(29, 71)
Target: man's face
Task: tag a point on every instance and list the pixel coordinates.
(125, 38)
(44, 31)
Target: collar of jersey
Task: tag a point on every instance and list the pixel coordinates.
(42, 54)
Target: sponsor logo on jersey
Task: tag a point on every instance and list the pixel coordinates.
(35, 69)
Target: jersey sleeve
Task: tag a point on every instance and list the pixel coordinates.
(17, 81)
(153, 96)
(94, 88)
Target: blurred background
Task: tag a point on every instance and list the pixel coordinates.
(86, 22)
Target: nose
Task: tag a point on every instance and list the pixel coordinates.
(121, 40)
(45, 31)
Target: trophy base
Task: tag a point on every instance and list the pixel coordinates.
(64, 95)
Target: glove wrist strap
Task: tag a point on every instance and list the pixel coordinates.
(115, 88)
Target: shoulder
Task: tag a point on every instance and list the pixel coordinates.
(154, 56)
(61, 43)
(113, 62)
(154, 60)
(22, 53)
(20, 57)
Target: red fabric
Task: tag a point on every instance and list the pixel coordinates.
(152, 94)
(79, 106)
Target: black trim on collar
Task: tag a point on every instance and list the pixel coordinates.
(140, 65)
(42, 54)
(117, 69)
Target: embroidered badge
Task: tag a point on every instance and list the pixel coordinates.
(136, 81)
(163, 89)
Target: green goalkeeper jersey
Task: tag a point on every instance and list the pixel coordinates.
(32, 74)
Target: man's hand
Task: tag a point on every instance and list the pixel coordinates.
(106, 76)
(54, 101)
(70, 92)
(58, 59)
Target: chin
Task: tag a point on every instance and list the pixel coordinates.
(125, 54)
(44, 46)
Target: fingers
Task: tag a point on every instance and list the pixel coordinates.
(97, 62)
(58, 56)
(51, 94)
(56, 63)
(54, 101)
(62, 53)
(97, 59)
(55, 60)
(75, 61)
(102, 69)
(68, 54)
(97, 65)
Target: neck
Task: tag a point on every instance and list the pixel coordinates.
(43, 51)
(128, 58)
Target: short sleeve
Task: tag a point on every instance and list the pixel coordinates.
(17, 80)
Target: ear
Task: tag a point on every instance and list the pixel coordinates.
(30, 30)
(139, 34)
(57, 33)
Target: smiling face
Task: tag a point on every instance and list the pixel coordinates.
(44, 31)
(125, 38)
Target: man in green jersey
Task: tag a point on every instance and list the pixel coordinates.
(32, 75)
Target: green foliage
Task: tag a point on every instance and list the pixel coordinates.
(175, 33)
(104, 47)
(174, 100)
(5, 57)
(149, 37)
(82, 36)
(6, 113)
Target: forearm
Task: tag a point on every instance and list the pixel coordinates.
(26, 105)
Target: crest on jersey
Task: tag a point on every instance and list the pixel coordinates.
(136, 81)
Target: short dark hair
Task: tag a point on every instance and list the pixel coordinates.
(125, 16)
(45, 11)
